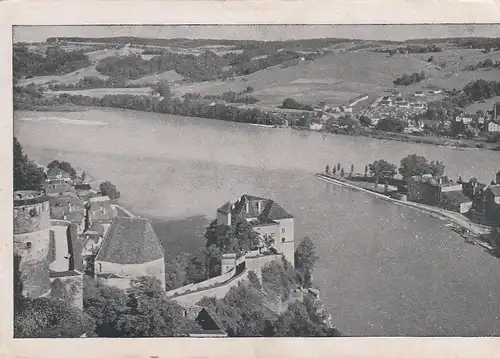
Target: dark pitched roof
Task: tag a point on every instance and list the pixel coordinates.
(269, 209)
(82, 186)
(130, 241)
(96, 227)
(213, 316)
(59, 188)
(56, 171)
(101, 210)
(495, 189)
(456, 197)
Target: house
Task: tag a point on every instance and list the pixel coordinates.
(130, 249)
(85, 191)
(270, 220)
(58, 189)
(456, 201)
(493, 127)
(100, 210)
(492, 205)
(210, 324)
(419, 94)
(429, 190)
(57, 174)
(68, 207)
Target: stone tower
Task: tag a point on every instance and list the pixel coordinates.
(32, 240)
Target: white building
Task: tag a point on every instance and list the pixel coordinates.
(493, 127)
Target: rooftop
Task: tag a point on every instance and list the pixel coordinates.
(495, 189)
(130, 241)
(57, 172)
(456, 197)
(249, 206)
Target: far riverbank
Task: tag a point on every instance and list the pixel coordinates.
(429, 140)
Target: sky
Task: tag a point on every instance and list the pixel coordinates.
(260, 32)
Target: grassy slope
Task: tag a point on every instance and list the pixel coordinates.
(334, 78)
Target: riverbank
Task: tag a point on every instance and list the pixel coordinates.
(408, 138)
(448, 216)
(459, 144)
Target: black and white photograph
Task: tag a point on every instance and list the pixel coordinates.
(222, 181)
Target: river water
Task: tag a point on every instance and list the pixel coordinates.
(382, 269)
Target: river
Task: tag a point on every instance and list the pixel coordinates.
(382, 270)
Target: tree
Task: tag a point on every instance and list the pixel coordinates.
(163, 89)
(109, 189)
(338, 167)
(414, 165)
(352, 168)
(305, 259)
(342, 173)
(296, 321)
(365, 121)
(366, 171)
(45, 318)
(437, 168)
(254, 280)
(418, 165)
(84, 175)
(390, 125)
(334, 170)
(381, 169)
(279, 279)
(197, 267)
(105, 304)
(67, 167)
(27, 176)
(149, 313)
(327, 169)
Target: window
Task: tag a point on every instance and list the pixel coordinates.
(28, 245)
(100, 267)
(283, 239)
(283, 230)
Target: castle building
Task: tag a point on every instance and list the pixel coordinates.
(31, 240)
(270, 220)
(99, 211)
(48, 250)
(130, 249)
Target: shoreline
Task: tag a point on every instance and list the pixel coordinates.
(458, 144)
(442, 214)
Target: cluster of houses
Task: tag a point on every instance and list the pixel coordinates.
(397, 106)
(69, 230)
(473, 198)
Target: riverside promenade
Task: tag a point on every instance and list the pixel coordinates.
(446, 215)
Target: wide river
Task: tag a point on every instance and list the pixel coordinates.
(382, 269)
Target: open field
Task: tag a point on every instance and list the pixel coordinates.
(487, 105)
(170, 76)
(101, 92)
(335, 78)
(72, 77)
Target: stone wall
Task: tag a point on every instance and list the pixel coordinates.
(154, 268)
(31, 218)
